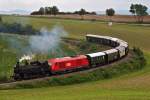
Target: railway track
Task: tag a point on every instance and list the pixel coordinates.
(13, 82)
(95, 60)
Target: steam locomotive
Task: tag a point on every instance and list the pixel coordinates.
(69, 64)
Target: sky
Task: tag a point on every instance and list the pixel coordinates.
(68, 5)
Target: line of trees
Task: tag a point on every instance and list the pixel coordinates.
(138, 10)
(46, 11)
(54, 11)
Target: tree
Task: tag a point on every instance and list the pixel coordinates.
(110, 12)
(93, 13)
(139, 11)
(82, 12)
(1, 19)
(55, 10)
(48, 10)
(35, 13)
(132, 9)
(42, 11)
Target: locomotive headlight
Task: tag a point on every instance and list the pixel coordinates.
(68, 64)
(49, 64)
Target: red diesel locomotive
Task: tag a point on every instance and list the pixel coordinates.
(68, 63)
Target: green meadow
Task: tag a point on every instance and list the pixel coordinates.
(132, 86)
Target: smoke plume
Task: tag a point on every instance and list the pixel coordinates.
(47, 40)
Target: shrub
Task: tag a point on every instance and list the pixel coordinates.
(3, 77)
(17, 28)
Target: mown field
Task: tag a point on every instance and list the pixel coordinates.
(127, 87)
(115, 18)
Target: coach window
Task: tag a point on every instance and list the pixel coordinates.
(97, 58)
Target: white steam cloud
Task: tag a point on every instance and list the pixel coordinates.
(47, 40)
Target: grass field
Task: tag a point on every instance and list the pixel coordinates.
(136, 35)
(133, 86)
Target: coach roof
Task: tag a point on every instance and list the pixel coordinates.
(97, 36)
(110, 51)
(96, 54)
(104, 37)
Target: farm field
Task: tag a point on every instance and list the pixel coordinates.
(115, 18)
(127, 87)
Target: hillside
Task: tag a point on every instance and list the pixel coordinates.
(127, 87)
(135, 34)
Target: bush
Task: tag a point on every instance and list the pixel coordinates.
(17, 28)
(139, 56)
(3, 77)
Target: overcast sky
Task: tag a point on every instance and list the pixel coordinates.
(69, 5)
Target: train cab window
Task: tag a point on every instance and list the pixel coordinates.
(79, 61)
(56, 64)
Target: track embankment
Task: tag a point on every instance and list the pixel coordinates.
(14, 84)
